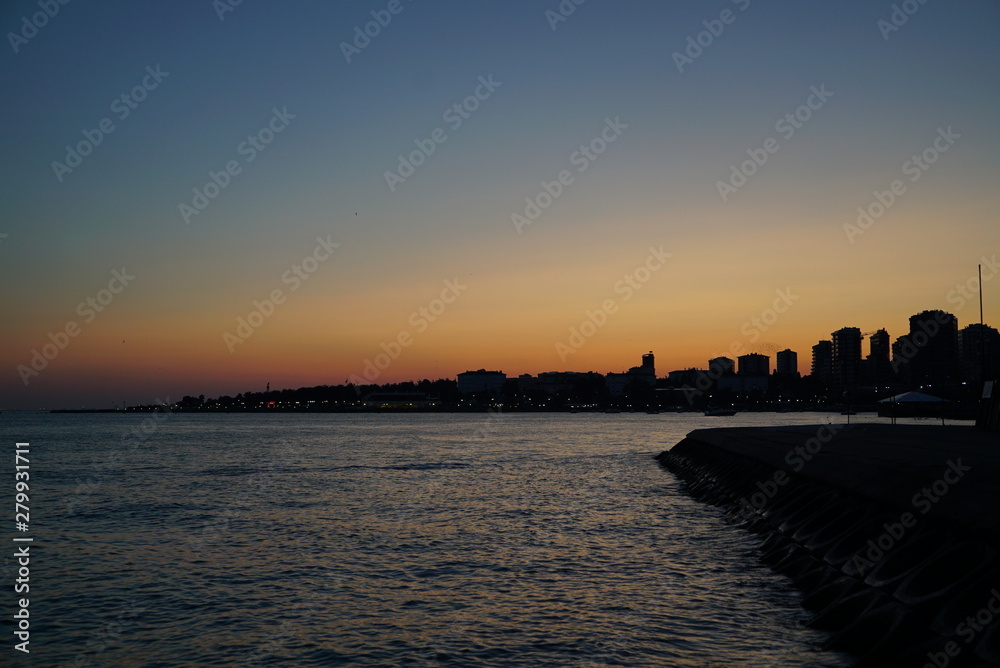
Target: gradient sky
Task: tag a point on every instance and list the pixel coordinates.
(324, 176)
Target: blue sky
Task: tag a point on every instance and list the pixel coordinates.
(656, 184)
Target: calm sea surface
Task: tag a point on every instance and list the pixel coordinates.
(388, 540)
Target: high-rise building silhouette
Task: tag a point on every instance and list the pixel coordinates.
(878, 367)
(787, 363)
(933, 349)
(878, 345)
(822, 362)
(979, 351)
(846, 358)
(902, 353)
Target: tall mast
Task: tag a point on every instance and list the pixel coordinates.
(982, 329)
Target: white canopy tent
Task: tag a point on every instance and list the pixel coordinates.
(911, 398)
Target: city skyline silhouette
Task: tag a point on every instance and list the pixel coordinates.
(209, 196)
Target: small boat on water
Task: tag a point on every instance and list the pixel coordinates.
(720, 412)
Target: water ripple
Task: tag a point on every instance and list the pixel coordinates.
(395, 540)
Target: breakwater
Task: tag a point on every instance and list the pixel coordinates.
(892, 532)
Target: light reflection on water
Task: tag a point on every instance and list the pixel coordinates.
(466, 540)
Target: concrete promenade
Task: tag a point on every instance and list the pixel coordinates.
(892, 532)
(890, 464)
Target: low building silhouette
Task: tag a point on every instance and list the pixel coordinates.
(751, 377)
(399, 400)
(721, 366)
(644, 374)
(471, 382)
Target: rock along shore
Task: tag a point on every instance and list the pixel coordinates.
(892, 532)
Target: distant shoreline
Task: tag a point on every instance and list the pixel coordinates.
(834, 410)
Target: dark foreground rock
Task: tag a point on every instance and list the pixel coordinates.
(892, 532)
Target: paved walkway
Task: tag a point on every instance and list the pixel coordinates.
(948, 472)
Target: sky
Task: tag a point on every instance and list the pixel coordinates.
(205, 197)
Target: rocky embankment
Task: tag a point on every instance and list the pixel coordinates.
(892, 532)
